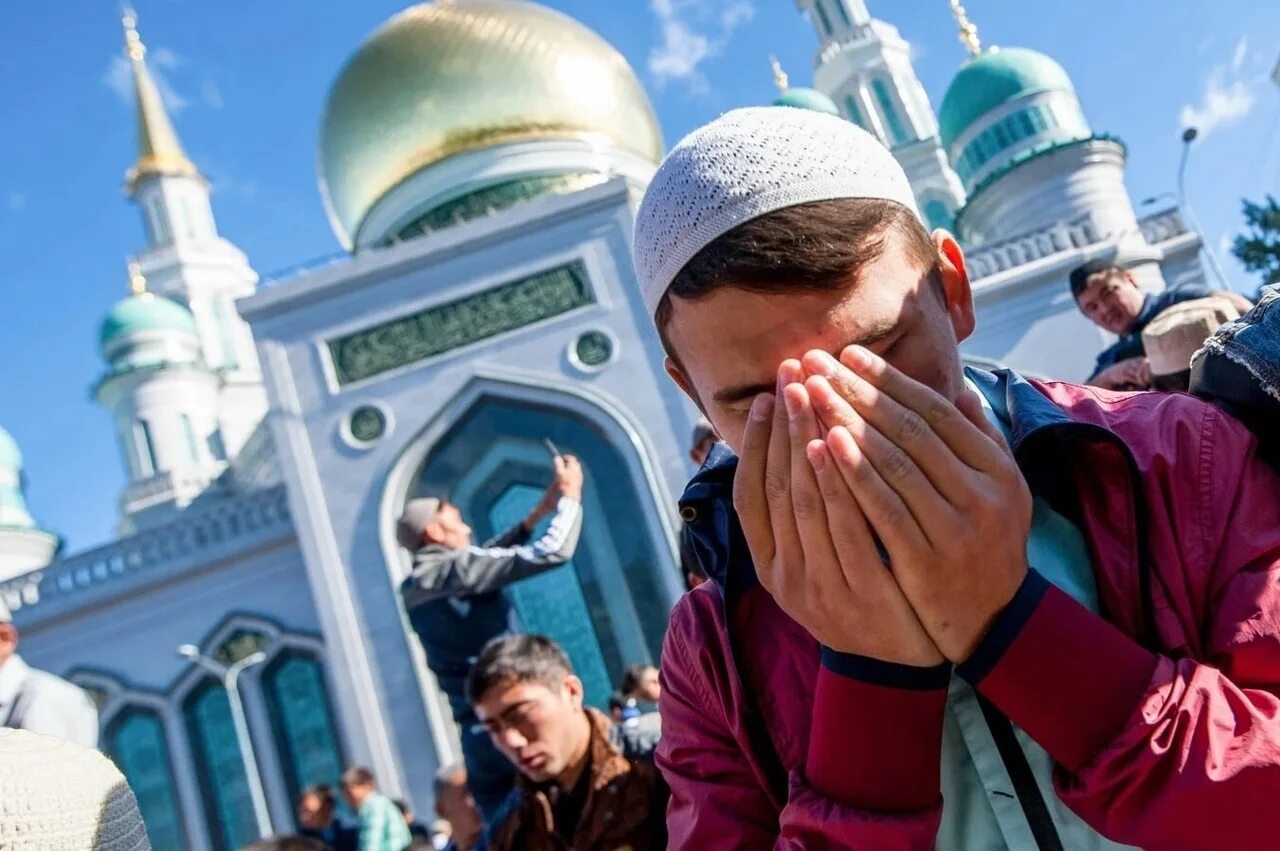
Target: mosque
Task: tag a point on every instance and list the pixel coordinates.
(480, 160)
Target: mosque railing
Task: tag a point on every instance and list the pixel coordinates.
(1163, 225)
(204, 533)
(1010, 253)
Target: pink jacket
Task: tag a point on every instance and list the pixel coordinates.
(1163, 717)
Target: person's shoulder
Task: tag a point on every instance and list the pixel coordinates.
(52, 686)
(1169, 298)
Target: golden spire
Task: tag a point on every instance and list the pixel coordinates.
(968, 32)
(779, 76)
(137, 283)
(159, 151)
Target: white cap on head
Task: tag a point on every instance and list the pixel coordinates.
(745, 164)
(415, 517)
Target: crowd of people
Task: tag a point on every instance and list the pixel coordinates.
(929, 605)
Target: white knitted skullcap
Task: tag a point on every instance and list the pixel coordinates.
(59, 796)
(746, 163)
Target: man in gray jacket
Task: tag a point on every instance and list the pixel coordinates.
(38, 701)
(456, 605)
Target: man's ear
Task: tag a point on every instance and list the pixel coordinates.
(682, 381)
(955, 284)
(574, 689)
(432, 533)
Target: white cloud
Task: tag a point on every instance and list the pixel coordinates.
(1239, 54)
(1223, 104)
(119, 77)
(693, 31)
(211, 94)
(17, 202)
(1225, 241)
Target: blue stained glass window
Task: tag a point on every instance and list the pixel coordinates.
(228, 806)
(135, 740)
(302, 722)
(897, 132)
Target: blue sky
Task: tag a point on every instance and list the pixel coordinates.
(246, 84)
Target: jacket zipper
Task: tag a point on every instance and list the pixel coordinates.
(1034, 808)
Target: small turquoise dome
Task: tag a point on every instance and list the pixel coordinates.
(10, 456)
(996, 77)
(802, 98)
(145, 312)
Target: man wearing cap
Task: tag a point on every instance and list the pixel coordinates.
(948, 608)
(456, 605)
(1109, 297)
(1178, 333)
(39, 701)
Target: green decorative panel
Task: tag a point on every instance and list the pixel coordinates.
(368, 423)
(241, 644)
(459, 323)
(593, 349)
(136, 742)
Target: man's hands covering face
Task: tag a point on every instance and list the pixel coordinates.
(852, 452)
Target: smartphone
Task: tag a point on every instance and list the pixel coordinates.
(551, 447)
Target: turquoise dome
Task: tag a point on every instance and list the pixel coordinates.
(996, 77)
(10, 456)
(146, 312)
(803, 98)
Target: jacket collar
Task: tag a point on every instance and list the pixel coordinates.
(1040, 431)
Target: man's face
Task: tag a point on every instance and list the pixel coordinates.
(456, 806)
(731, 342)
(541, 730)
(313, 814)
(448, 528)
(355, 794)
(1111, 300)
(8, 641)
(649, 688)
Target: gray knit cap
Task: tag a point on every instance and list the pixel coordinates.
(746, 163)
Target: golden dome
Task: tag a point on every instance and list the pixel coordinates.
(444, 78)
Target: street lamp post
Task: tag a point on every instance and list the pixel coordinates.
(230, 676)
(1188, 136)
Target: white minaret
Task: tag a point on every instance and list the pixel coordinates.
(23, 545)
(864, 65)
(185, 258)
(164, 401)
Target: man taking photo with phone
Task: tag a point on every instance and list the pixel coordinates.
(456, 605)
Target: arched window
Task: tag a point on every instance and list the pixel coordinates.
(822, 17)
(853, 112)
(220, 767)
(936, 215)
(844, 13)
(226, 333)
(607, 606)
(302, 721)
(158, 216)
(193, 445)
(144, 448)
(893, 121)
(135, 740)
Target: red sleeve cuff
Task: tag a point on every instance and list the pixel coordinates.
(876, 741)
(1061, 673)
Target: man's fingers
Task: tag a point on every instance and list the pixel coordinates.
(906, 429)
(851, 538)
(749, 498)
(884, 509)
(821, 564)
(777, 475)
(965, 441)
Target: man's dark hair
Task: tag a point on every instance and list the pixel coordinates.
(323, 792)
(357, 776)
(517, 659)
(632, 676)
(811, 247)
(1080, 276)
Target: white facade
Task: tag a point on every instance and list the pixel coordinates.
(864, 66)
